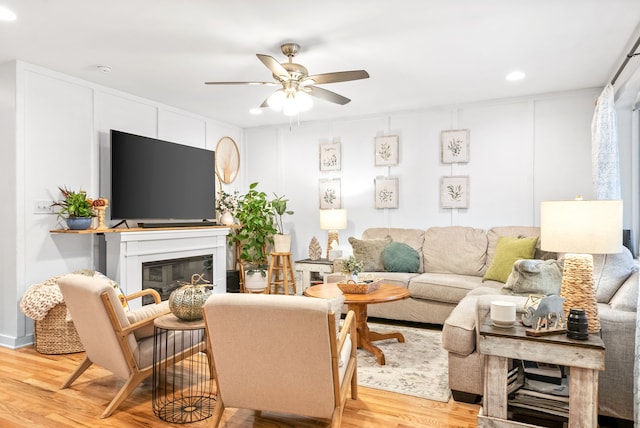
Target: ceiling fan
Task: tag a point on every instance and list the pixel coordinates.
(297, 85)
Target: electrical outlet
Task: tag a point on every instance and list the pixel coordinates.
(42, 206)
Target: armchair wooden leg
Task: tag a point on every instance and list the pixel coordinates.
(217, 413)
(84, 365)
(131, 384)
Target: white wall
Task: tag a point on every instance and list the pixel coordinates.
(522, 151)
(60, 137)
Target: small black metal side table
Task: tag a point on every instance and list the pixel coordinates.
(182, 392)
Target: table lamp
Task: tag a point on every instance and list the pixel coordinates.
(333, 220)
(581, 228)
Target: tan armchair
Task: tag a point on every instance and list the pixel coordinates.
(281, 354)
(109, 338)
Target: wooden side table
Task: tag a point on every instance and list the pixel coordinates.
(584, 358)
(308, 266)
(182, 392)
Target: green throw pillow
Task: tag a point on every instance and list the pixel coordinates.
(400, 257)
(508, 250)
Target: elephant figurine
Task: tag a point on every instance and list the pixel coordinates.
(547, 313)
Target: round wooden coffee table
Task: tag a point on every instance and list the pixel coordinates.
(358, 304)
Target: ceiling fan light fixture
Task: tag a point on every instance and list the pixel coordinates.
(290, 106)
(303, 101)
(276, 100)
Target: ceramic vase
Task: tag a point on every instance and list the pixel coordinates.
(227, 218)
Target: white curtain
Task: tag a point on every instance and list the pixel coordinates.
(636, 371)
(604, 148)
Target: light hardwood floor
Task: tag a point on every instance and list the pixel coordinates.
(30, 397)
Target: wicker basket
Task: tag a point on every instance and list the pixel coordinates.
(55, 335)
(351, 287)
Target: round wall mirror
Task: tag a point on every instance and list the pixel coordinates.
(227, 160)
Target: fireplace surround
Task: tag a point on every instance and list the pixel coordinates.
(128, 251)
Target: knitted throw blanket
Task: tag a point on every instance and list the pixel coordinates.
(40, 298)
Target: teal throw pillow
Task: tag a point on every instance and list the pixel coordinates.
(400, 257)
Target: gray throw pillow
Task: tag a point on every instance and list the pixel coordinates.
(535, 277)
(369, 252)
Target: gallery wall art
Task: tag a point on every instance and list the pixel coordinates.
(386, 192)
(454, 146)
(454, 192)
(329, 193)
(386, 150)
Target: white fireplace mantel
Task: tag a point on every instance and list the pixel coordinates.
(128, 250)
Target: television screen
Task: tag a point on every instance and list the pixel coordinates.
(156, 179)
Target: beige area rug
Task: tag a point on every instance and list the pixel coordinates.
(417, 367)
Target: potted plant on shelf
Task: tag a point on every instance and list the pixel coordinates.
(76, 208)
(281, 240)
(255, 216)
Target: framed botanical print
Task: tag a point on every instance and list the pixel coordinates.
(386, 150)
(454, 191)
(330, 157)
(454, 146)
(386, 192)
(329, 193)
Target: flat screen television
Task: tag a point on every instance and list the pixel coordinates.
(153, 179)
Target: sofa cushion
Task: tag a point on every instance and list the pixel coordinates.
(522, 231)
(508, 250)
(443, 287)
(369, 252)
(455, 249)
(610, 271)
(145, 312)
(412, 237)
(400, 257)
(401, 279)
(626, 299)
(535, 277)
(459, 329)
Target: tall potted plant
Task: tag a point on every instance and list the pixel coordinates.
(281, 240)
(255, 216)
(76, 208)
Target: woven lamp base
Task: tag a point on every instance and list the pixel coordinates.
(578, 288)
(332, 236)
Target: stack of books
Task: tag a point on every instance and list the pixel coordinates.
(545, 389)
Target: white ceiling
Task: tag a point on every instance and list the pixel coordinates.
(419, 53)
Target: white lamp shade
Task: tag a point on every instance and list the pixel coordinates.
(588, 227)
(334, 219)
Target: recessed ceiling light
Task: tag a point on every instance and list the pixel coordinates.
(515, 75)
(6, 14)
(255, 111)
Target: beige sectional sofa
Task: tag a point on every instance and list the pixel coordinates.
(448, 289)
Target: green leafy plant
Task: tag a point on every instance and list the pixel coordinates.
(352, 265)
(255, 215)
(279, 205)
(74, 204)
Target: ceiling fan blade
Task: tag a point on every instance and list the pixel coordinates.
(272, 64)
(327, 95)
(243, 83)
(338, 76)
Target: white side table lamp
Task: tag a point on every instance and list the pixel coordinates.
(581, 228)
(333, 220)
